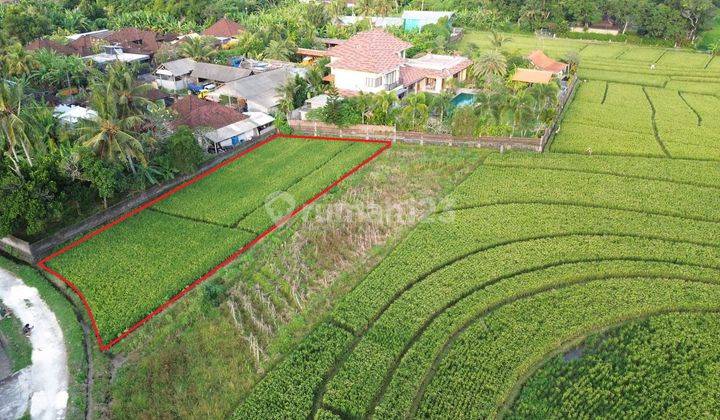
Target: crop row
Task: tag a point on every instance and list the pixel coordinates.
(662, 381)
(360, 378)
(493, 353)
(242, 186)
(466, 254)
(286, 391)
(507, 185)
(701, 173)
(647, 68)
(131, 269)
(416, 363)
(591, 92)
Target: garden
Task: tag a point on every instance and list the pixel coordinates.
(130, 269)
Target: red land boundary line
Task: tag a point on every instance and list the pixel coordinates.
(104, 347)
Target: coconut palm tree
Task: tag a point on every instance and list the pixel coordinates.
(278, 50)
(111, 136)
(118, 82)
(198, 48)
(12, 128)
(489, 64)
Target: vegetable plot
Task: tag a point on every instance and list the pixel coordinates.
(132, 269)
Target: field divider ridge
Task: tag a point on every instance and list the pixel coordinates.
(654, 124)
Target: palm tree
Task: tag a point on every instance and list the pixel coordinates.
(383, 105)
(442, 101)
(110, 136)
(314, 77)
(415, 111)
(288, 92)
(119, 83)
(489, 64)
(522, 106)
(278, 50)
(198, 48)
(497, 39)
(12, 127)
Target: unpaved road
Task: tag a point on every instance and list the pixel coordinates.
(42, 386)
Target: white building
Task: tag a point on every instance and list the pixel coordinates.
(173, 75)
(374, 61)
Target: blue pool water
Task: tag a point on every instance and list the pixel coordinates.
(463, 99)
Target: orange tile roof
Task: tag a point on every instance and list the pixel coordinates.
(543, 62)
(309, 52)
(532, 76)
(374, 51)
(224, 28)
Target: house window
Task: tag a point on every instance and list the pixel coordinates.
(390, 78)
(373, 82)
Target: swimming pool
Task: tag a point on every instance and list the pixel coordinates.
(463, 99)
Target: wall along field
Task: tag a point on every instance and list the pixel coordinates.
(129, 270)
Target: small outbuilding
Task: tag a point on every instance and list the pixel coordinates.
(543, 62)
(532, 76)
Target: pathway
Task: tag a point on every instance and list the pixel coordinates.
(43, 385)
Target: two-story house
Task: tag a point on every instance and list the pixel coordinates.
(375, 61)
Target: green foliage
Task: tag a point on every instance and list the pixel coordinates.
(16, 346)
(31, 201)
(653, 368)
(183, 151)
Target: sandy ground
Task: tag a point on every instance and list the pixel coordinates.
(42, 386)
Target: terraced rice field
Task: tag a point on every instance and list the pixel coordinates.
(634, 99)
(139, 264)
(537, 253)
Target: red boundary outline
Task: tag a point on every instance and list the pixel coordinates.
(104, 347)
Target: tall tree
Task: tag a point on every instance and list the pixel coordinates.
(489, 64)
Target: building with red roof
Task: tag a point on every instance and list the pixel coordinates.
(224, 29)
(375, 60)
(543, 62)
(224, 126)
(51, 45)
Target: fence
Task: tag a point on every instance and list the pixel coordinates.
(35, 251)
(383, 132)
(550, 131)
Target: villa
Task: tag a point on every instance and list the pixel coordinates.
(224, 30)
(545, 63)
(375, 61)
